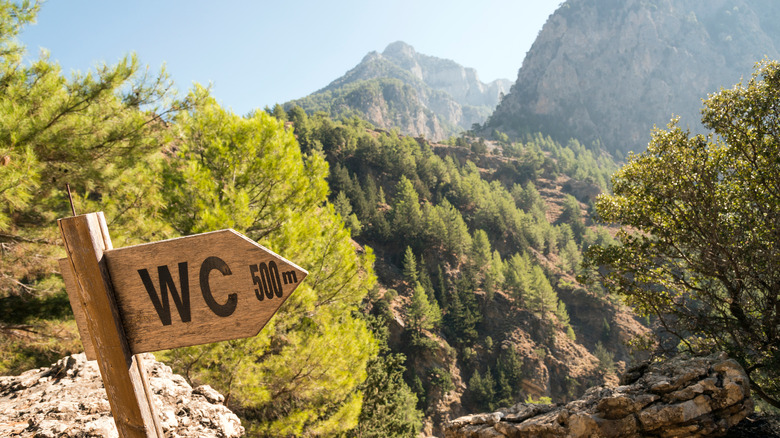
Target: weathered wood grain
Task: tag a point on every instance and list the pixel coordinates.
(86, 239)
(213, 283)
(78, 312)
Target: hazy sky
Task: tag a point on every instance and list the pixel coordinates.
(257, 53)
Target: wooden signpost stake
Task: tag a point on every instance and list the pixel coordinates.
(86, 239)
(192, 290)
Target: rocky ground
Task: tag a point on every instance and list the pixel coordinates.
(681, 397)
(68, 400)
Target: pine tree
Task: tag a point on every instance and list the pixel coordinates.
(422, 313)
(389, 405)
(100, 132)
(542, 297)
(517, 277)
(344, 209)
(406, 214)
(249, 173)
(410, 267)
(482, 388)
(494, 276)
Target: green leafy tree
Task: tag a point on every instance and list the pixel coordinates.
(517, 277)
(563, 318)
(463, 315)
(301, 374)
(542, 297)
(700, 243)
(407, 217)
(410, 266)
(344, 209)
(99, 131)
(494, 275)
(509, 374)
(245, 173)
(606, 359)
(389, 405)
(480, 250)
(423, 313)
(482, 389)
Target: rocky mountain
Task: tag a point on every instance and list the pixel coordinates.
(609, 70)
(419, 94)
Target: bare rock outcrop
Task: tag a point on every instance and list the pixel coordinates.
(692, 397)
(609, 70)
(68, 400)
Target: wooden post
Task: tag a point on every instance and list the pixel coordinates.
(86, 238)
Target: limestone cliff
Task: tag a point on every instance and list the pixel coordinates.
(416, 93)
(609, 70)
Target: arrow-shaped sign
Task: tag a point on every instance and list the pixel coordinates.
(198, 289)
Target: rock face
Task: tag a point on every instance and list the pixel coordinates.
(416, 93)
(609, 70)
(68, 400)
(694, 397)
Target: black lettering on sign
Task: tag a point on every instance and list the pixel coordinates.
(290, 277)
(268, 281)
(274, 278)
(166, 283)
(206, 267)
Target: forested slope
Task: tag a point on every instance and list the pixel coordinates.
(442, 276)
(478, 245)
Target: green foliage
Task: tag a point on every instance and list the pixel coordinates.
(248, 173)
(423, 313)
(389, 405)
(563, 318)
(410, 266)
(100, 132)
(406, 217)
(344, 210)
(441, 380)
(229, 172)
(542, 298)
(606, 359)
(462, 315)
(538, 401)
(509, 375)
(482, 389)
(700, 237)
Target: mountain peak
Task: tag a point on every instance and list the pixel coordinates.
(419, 94)
(608, 71)
(399, 48)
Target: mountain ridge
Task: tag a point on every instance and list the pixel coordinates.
(608, 72)
(419, 94)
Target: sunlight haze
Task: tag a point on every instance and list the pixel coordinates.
(256, 54)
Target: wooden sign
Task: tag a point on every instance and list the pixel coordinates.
(78, 311)
(187, 291)
(198, 289)
(86, 241)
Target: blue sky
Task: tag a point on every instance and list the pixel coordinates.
(259, 53)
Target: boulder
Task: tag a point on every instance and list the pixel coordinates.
(692, 397)
(68, 399)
